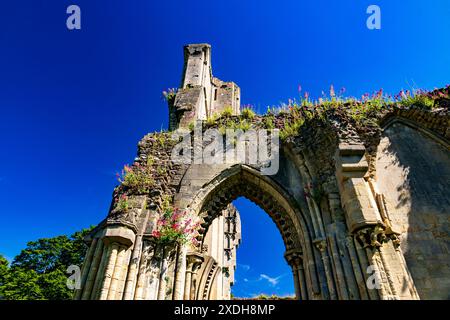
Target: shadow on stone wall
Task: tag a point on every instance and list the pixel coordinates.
(413, 172)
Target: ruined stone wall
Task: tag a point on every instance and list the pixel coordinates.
(225, 95)
(362, 188)
(413, 172)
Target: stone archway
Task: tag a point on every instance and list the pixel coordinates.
(241, 180)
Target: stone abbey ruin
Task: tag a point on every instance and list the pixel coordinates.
(361, 199)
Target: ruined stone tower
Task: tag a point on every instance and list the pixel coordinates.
(360, 199)
(201, 95)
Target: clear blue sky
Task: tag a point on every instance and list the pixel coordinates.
(74, 103)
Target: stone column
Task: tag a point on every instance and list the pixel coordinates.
(294, 267)
(117, 238)
(295, 259)
(180, 273)
(362, 257)
(112, 257)
(341, 285)
(146, 255)
(402, 263)
(130, 285)
(356, 264)
(167, 251)
(193, 263)
(220, 258)
(116, 273)
(153, 273)
(93, 271)
(123, 274)
(187, 285)
(197, 265)
(302, 280)
(86, 268)
(372, 239)
(321, 244)
(296, 282)
(100, 274)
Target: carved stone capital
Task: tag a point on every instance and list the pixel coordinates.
(372, 237)
(320, 244)
(395, 240)
(118, 233)
(294, 257)
(194, 261)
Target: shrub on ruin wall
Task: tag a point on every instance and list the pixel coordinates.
(176, 226)
(137, 178)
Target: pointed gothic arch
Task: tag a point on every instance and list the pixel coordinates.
(243, 180)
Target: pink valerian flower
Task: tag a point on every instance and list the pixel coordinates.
(419, 92)
(332, 93)
(400, 95)
(195, 242)
(169, 93)
(176, 216)
(306, 95)
(137, 166)
(177, 224)
(379, 93)
(156, 234)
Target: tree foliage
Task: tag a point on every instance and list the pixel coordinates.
(38, 272)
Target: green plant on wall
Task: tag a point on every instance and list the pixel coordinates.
(136, 178)
(191, 126)
(122, 202)
(227, 112)
(169, 95)
(269, 122)
(248, 113)
(291, 129)
(422, 101)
